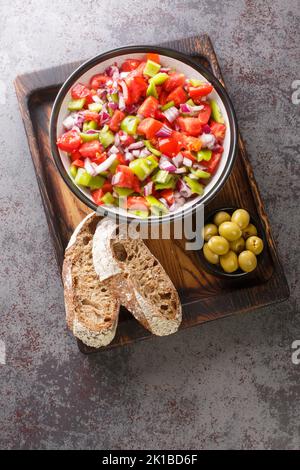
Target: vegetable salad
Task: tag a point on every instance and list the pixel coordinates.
(143, 137)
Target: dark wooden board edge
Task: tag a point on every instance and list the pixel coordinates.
(197, 46)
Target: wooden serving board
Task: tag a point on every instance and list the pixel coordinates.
(204, 297)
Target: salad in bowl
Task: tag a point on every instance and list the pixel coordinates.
(144, 135)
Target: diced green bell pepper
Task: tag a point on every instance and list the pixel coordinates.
(151, 90)
(143, 167)
(106, 137)
(216, 112)
(194, 185)
(201, 174)
(151, 68)
(89, 137)
(95, 107)
(96, 182)
(73, 171)
(152, 149)
(76, 105)
(156, 206)
(204, 155)
(167, 105)
(114, 97)
(123, 192)
(82, 177)
(159, 78)
(162, 176)
(108, 199)
(90, 125)
(130, 124)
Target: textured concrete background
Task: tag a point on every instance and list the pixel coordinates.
(228, 384)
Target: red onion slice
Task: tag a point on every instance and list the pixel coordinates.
(122, 104)
(177, 160)
(112, 105)
(187, 162)
(206, 129)
(89, 167)
(167, 166)
(148, 188)
(113, 149)
(183, 189)
(117, 140)
(116, 178)
(136, 145)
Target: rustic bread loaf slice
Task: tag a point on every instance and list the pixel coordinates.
(92, 309)
(141, 283)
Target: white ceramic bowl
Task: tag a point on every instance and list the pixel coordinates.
(169, 58)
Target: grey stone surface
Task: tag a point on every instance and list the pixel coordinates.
(228, 384)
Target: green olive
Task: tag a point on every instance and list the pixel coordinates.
(237, 245)
(247, 261)
(218, 245)
(229, 262)
(230, 231)
(249, 231)
(209, 230)
(221, 217)
(209, 255)
(254, 244)
(241, 218)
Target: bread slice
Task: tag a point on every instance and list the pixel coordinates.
(92, 309)
(140, 281)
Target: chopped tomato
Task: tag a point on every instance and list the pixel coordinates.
(116, 120)
(121, 159)
(205, 113)
(218, 130)
(212, 164)
(79, 91)
(163, 97)
(79, 163)
(69, 141)
(90, 149)
(91, 116)
(178, 95)
(175, 80)
(75, 155)
(107, 187)
(149, 127)
(192, 143)
(201, 90)
(137, 88)
(168, 195)
(130, 64)
(127, 179)
(168, 146)
(153, 56)
(137, 203)
(149, 107)
(190, 125)
(189, 155)
(97, 81)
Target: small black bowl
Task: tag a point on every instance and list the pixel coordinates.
(216, 269)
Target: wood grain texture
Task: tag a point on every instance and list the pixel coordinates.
(204, 297)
